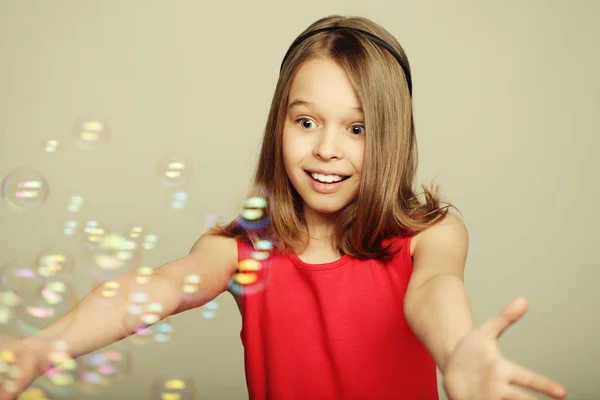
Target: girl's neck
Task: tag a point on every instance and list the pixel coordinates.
(320, 226)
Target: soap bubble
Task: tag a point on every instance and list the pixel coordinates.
(70, 228)
(75, 203)
(209, 310)
(52, 262)
(254, 214)
(55, 299)
(160, 332)
(150, 242)
(89, 133)
(173, 387)
(9, 303)
(191, 285)
(115, 253)
(136, 233)
(250, 276)
(50, 145)
(61, 379)
(93, 232)
(21, 277)
(33, 392)
(179, 200)
(174, 170)
(103, 368)
(24, 189)
(10, 373)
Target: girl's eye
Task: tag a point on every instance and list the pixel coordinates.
(302, 123)
(360, 131)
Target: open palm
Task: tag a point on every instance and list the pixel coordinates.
(476, 370)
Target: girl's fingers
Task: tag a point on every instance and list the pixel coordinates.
(515, 393)
(524, 377)
(495, 326)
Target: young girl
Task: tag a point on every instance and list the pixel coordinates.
(361, 295)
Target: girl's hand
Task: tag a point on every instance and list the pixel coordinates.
(476, 370)
(19, 366)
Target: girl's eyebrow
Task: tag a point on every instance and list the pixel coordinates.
(304, 103)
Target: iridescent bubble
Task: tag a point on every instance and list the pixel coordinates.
(53, 262)
(174, 170)
(254, 214)
(19, 276)
(263, 250)
(10, 373)
(70, 228)
(93, 232)
(9, 303)
(150, 242)
(250, 276)
(61, 379)
(143, 275)
(34, 393)
(55, 300)
(179, 200)
(50, 145)
(209, 310)
(111, 289)
(90, 132)
(103, 368)
(160, 332)
(136, 233)
(190, 285)
(115, 253)
(75, 204)
(24, 189)
(173, 387)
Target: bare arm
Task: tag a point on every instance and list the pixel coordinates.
(98, 321)
(436, 304)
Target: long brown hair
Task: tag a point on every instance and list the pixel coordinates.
(386, 205)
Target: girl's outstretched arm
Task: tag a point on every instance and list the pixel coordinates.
(436, 304)
(438, 311)
(98, 320)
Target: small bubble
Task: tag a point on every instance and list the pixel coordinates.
(89, 133)
(70, 228)
(179, 200)
(75, 204)
(174, 170)
(93, 232)
(50, 145)
(150, 241)
(173, 387)
(209, 310)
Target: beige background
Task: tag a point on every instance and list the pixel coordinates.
(507, 106)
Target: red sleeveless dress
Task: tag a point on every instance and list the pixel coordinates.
(333, 331)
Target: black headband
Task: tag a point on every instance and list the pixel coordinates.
(368, 35)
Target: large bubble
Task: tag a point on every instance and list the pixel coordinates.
(60, 381)
(24, 189)
(55, 299)
(103, 368)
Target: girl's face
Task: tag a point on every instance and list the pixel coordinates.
(324, 137)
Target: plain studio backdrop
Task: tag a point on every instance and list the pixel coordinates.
(507, 108)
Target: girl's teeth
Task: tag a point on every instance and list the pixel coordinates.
(326, 178)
